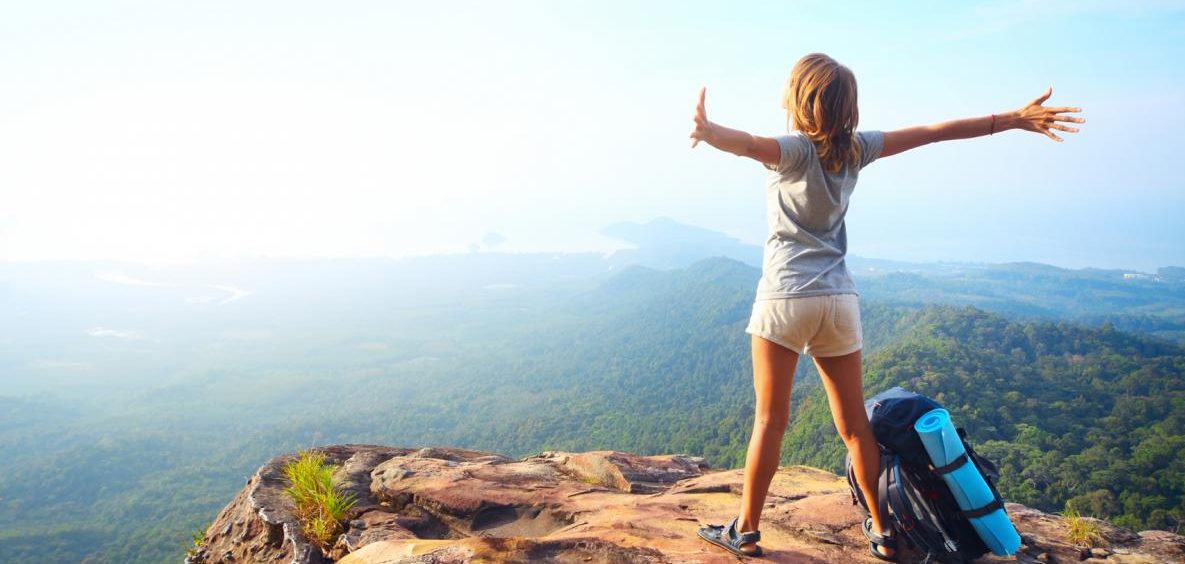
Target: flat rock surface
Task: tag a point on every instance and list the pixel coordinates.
(455, 505)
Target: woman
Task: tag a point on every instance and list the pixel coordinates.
(806, 302)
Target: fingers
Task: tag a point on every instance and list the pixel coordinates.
(1050, 135)
(1050, 121)
(701, 117)
(1061, 127)
(1064, 109)
(699, 103)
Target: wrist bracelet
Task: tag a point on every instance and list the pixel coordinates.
(993, 129)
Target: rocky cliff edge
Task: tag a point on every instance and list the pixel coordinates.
(446, 505)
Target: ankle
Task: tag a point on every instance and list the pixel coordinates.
(881, 529)
(744, 526)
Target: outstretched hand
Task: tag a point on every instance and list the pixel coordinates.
(703, 128)
(740, 143)
(1035, 117)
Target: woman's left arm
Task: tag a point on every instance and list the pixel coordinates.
(742, 144)
(1031, 117)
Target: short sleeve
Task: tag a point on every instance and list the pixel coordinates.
(871, 145)
(794, 148)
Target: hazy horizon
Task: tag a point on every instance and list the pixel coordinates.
(166, 132)
(495, 247)
(233, 261)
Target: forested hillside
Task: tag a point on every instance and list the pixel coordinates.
(1038, 292)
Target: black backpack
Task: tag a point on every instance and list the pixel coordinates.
(917, 500)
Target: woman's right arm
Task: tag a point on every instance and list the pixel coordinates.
(740, 143)
(1031, 117)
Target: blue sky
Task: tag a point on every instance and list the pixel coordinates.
(172, 131)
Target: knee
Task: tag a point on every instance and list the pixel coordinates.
(850, 439)
(770, 421)
(854, 433)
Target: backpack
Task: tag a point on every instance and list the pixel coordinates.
(914, 496)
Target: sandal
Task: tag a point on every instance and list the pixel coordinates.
(727, 537)
(875, 540)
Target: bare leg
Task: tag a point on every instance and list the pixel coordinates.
(773, 376)
(843, 379)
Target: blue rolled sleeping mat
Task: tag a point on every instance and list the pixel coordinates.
(975, 498)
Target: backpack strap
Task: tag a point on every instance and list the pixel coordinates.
(953, 465)
(891, 481)
(995, 504)
(917, 512)
(882, 489)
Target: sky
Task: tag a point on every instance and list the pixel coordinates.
(157, 131)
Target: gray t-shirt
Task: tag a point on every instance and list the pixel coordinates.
(804, 253)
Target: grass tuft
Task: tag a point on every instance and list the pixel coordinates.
(320, 506)
(199, 538)
(1083, 532)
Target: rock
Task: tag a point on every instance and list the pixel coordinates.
(1045, 533)
(628, 472)
(1135, 559)
(268, 530)
(375, 526)
(1164, 545)
(455, 505)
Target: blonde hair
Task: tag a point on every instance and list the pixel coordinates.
(820, 98)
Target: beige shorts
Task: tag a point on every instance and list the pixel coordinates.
(820, 326)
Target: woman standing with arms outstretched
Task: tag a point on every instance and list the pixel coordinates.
(806, 302)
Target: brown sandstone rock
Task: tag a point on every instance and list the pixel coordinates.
(627, 472)
(454, 505)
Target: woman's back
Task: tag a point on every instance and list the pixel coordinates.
(805, 208)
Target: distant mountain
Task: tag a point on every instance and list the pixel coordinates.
(1040, 292)
(1176, 273)
(1131, 301)
(664, 243)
